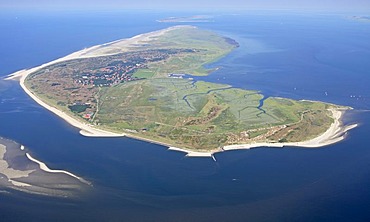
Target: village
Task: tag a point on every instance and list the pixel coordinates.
(110, 75)
(121, 70)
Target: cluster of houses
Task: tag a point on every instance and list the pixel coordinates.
(110, 75)
(120, 68)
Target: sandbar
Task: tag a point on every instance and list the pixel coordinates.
(47, 169)
(17, 172)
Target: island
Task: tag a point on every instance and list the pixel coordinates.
(145, 88)
(361, 18)
(188, 19)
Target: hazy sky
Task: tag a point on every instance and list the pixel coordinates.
(331, 5)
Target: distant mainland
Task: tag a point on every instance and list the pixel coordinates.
(188, 19)
(361, 18)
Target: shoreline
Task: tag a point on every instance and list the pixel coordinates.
(335, 133)
(87, 130)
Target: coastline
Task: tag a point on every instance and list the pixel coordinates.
(85, 129)
(94, 51)
(335, 133)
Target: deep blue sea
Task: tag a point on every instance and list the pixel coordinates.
(313, 56)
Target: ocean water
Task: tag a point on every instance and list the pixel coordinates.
(294, 55)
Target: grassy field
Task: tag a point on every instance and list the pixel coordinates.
(201, 115)
(143, 73)
(208, 45)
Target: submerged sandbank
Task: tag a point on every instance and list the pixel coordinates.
(19, 171)
(11, 173)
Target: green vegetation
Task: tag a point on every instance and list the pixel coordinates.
(208, 45)
(205, 115)
(78, 108)
(135, 95)
(143, 74)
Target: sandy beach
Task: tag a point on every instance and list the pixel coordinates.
(334, 134)
(86, 129)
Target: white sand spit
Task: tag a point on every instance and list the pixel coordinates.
(47, 169)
